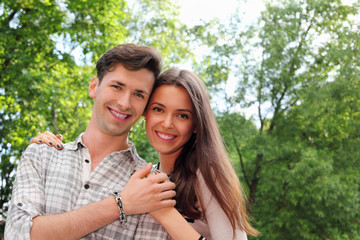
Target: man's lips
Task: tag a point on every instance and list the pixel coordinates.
(119, 116)
(165, 137)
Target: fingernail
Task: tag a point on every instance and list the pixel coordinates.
(50, 143)
(40, 141)
(59, 146)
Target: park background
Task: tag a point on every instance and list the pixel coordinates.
(285, 89)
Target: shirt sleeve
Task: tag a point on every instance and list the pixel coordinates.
(27, 199)
(219, 225)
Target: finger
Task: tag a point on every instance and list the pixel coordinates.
(166, 186)
(158, 178)
(36, 140)
(167, 195)
(47, 140)
(52, 140)
(56, 142)
(168, 203)
(59, 136)
(143, 171)
(41, 139)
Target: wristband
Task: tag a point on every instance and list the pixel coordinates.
(121, 209)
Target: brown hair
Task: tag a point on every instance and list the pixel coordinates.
(205, 151)
(132, 57)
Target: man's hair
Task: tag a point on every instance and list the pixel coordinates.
(132, 57)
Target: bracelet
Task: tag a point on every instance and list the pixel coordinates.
(202, 238)
(121, 209)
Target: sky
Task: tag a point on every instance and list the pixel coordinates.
(192, 11)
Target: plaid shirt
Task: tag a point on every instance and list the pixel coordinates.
(49, 181)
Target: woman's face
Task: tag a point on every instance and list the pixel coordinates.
(169, 119)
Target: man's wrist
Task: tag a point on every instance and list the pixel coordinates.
(119, 202)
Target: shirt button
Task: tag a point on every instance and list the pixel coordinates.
(19, 204)
(87, 161)
(86, 186)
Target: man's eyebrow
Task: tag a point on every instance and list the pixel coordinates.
(136, 90)
(141, 91)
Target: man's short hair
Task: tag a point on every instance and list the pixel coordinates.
(132, 57)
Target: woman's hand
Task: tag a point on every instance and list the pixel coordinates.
(49, 139)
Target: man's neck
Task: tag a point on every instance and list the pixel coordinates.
(100, 145)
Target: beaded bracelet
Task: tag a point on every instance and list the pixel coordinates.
(121, 209)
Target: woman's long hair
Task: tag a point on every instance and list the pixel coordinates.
(205, 151)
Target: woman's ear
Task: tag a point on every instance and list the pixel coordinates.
(92, 87)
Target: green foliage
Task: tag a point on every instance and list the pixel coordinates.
(299, 69)
(44, 87)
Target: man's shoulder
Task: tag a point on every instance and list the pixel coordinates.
(140, 162)
(36, 148)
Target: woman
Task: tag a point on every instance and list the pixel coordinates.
(182, 128)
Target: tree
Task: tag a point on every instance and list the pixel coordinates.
(43, 85)
(299, 67)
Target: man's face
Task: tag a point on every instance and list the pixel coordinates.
(120, 99)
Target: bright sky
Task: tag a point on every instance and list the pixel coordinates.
(191, 13)
(194, 10)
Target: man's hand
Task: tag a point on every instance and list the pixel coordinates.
(147, 192)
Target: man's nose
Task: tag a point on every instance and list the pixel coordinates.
(125, 100)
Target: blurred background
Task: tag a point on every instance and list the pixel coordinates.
(283, 76)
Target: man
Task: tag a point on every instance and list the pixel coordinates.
(69, 194)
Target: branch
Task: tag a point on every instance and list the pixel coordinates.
(291, 73)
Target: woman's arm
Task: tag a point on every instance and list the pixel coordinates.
(219, 224)
(175, 224)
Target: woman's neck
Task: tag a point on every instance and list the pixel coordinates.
(167, 162)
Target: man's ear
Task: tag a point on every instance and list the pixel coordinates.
(92, 87)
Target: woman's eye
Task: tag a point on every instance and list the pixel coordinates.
(185, 116)
(156, 109)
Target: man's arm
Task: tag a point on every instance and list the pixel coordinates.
(27, 217)
(140, 195)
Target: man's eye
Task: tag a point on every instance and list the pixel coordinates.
(139, 95)
(116, 86)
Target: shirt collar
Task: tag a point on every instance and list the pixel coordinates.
(73, 146)
(77, 143)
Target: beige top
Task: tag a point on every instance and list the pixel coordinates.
(217, 226)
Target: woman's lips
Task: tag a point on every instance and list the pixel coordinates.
(165, 137)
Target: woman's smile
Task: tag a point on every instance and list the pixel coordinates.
(165, 137)
(169, 119)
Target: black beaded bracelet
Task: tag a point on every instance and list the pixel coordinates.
(121, 209)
